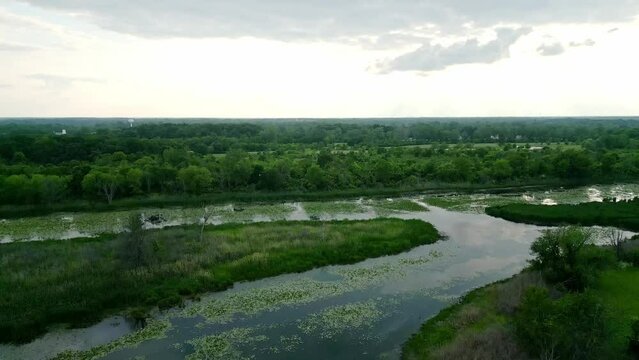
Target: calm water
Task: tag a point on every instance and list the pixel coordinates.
(367, 310)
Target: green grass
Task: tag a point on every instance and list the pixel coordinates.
(619, 290)
(81, 281)
(333, 207)
(621, 214)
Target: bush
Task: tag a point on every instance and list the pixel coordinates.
(170, 302)
(572, 327)
(567, 257)
(633, 343)
(511, 292)
(631, 256)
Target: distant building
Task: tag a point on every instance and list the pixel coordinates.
(60, 133)
(536, 148)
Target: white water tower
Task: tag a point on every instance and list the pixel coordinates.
(131, 121)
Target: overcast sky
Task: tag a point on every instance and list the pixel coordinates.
(319, 58)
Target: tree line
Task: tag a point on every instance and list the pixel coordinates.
(307, 169)
(36, 142)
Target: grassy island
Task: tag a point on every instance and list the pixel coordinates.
(77, 282)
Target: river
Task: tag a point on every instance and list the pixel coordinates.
(365, 311)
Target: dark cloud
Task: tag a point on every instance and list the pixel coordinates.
(329, 19)
(437, 57)
(550, 49)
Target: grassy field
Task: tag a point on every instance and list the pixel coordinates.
(478, 327)
(620, 214)
(619, 290)
(81, 281)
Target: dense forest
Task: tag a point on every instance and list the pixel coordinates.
(114, 159)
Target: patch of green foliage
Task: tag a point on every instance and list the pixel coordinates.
(81, 281)
(619, 291)
(336, 207)
(623, 214)
(156, 329)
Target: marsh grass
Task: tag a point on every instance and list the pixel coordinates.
(477, 327)
(79, 282)
(623, 214)
(390, 206)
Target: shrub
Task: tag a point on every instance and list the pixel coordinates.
(510, 293)
(567, 257)
(633, 343)
(572, 327)
(631, 256)
(169, 302)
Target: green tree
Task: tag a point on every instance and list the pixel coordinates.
(236, 169)
(501, 170)
(566, 256)
(195, 179)
(51, 188)
(134, 251)
(315, 178)
(105, 182)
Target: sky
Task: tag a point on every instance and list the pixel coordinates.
(318, 58)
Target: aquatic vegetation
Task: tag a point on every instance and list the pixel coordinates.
(77, 225)
(471, 203)
(391, 206)
(477, 203)
(337, 320)
(326, 209)
(155, 329)
(221, 310)
(290, 343)
(366, 275)
(226, 346)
